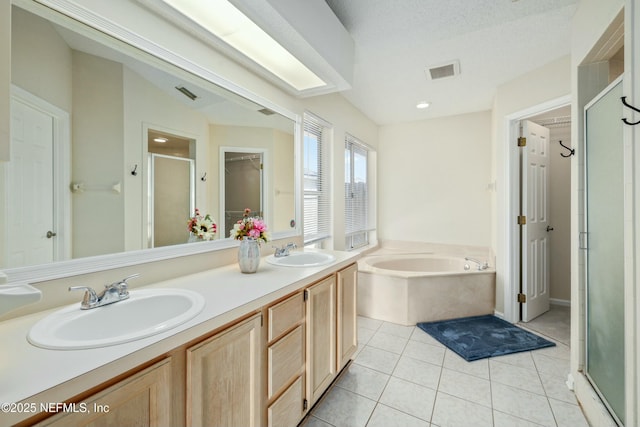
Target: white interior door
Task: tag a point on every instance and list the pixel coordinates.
(535, 206)
(29, 190)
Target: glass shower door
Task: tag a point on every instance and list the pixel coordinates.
(605, 249)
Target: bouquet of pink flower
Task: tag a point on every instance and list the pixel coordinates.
(203, 227)
(250, 226)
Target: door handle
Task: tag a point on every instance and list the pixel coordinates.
(549, 228)
(51, 234)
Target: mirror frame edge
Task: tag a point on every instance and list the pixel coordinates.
(94, 264)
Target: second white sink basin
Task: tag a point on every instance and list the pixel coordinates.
(146, 312)
(301, 259)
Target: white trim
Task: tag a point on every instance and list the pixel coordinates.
(509, 263)
(61, 169)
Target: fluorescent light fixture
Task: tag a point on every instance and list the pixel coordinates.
(423, 104)
(222, 19)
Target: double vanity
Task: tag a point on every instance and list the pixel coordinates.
(212, 348)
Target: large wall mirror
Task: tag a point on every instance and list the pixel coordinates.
(101, 132)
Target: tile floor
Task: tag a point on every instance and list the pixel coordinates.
(403, 377)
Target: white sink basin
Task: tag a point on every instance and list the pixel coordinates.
(146, 312)
(301, 259)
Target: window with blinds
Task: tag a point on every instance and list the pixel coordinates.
(356, 193)
(317, 204)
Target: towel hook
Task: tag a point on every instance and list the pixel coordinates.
(134, 171)
(203, 178)
(572, 150)
(626, 104)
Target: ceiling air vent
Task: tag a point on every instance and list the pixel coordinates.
(186, 92)
(266, 111)
(443, 71)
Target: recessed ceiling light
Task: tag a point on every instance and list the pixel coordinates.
(160, 139)
(423, 104)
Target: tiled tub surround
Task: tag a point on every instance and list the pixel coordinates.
(403, 377)
(408, 282)
(32, 374)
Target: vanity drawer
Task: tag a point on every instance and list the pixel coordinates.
(286, 360)
(285, 315)
(288, 409)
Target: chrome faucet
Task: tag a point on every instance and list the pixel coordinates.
(114, 292)
(481, 265)
(284, 250)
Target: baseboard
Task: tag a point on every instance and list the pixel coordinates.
(498, 314)
(562, 302)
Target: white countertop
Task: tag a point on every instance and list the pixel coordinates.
(26, 370)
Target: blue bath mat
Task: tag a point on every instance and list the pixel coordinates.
(478, 337)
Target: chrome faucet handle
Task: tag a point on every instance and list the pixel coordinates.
(121, 285)
(291, 245)
(90, 297)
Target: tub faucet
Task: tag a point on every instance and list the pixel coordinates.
(114, 292)
(481, 265)
(284, 250)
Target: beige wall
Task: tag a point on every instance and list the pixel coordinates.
(97, 154)
(43, 69)
(560, 215)
(433, 180)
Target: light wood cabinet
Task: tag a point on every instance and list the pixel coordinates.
(142, 399)
(321, 337)
(286, 362)
(347, 339)
(224, 378)
(238, 375)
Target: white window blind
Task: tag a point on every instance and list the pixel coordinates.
(317, 204)
(356, 193)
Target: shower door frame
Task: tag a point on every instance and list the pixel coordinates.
(584, 246)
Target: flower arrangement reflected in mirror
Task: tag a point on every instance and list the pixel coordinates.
(201, 227)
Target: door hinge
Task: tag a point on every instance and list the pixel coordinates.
(305, 404)
(522, 219)
(305, 295)
(522, 298)
(522, 141)
(261, 320)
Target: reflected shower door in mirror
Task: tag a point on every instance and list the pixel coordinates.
(171, 187)
(243, 183)
(96, 200)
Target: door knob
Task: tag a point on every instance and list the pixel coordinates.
(51, 234)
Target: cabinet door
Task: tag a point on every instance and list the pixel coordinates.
(321, 337)
(224, 378)
(140, 400)
(346, 316)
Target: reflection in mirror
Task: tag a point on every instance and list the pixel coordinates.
(242, 185)
(171, 187)
(84, 186)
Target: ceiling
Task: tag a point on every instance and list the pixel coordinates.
(494, 41)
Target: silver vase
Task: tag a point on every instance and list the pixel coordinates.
(249, 255)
